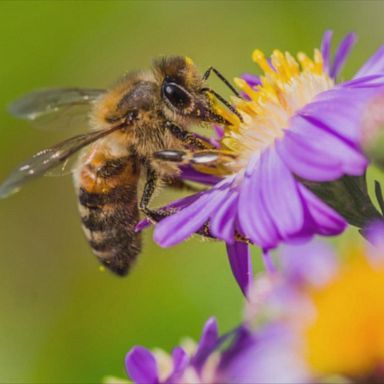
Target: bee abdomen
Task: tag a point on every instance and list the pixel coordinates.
(113, 196)
(109, 216)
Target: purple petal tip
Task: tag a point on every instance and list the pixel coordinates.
(141, 366)
(241, 264)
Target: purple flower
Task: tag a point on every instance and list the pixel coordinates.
(256, 351)
(267, 356)
(145, 367)
(316, 299)
(373, 130)
(298, 124)
(292, 320)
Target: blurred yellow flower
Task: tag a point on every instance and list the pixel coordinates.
(347, 334)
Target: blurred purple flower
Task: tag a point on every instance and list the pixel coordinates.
(143, 367)
(250, 353)
(281, 311)
(298, 125)
(267, 356)
(272, 345)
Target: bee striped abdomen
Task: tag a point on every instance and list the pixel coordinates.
(109, 210)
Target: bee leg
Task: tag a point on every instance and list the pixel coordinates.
(149, 189)
(188, 138)
(156, 215)
(209, 157)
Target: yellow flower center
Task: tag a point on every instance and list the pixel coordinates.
(347, 333)
(286, 86)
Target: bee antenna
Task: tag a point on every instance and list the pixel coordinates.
(222, 78)
(225, 102)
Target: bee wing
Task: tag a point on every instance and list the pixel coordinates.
(56, 108)
(66, 167)
(49, 158)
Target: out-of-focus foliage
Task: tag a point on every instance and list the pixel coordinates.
(61, 319)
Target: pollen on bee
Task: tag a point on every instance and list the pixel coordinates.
(188, 60)
(101, 268)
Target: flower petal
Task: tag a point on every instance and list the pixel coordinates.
(375, 64)
(179, 203)
(184, 223)
(180, 363)
(241, 264)
(189, 173)
(324, 219)
(370, 82)
(280, 194)
(207, 344)
(342, 54)
(141, 366)
(219, 130)
(339, 111)
(242, 340)
(326, 50)
(142, 224)
(252, 80)
(313, 153)
(222, 224)
(252, 216)
(270, 356)
(374, 249)
(297, 156)
(215, 140)
(268, 262)
(312, 263)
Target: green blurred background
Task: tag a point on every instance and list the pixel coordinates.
(62, 320)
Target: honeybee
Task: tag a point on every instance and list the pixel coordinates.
(145, 113)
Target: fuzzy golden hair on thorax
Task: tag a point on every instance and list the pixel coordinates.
(180, 69)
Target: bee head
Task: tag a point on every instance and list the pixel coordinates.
(183, 90)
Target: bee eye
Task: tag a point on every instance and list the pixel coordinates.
(176, 95)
